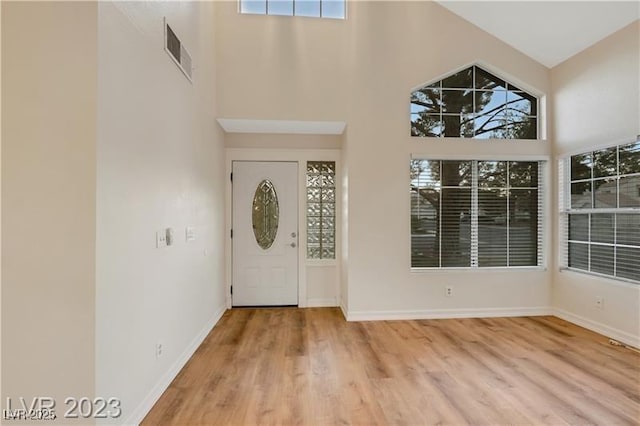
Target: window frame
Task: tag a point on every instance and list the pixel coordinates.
(509, 87)
(543, 207)
(293, 10)
(566, 211)
(321, 232)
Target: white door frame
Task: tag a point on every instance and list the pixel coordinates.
(301, 156)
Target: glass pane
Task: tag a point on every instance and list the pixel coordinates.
(427, 98)
(523, 174)
(522, 103)
(313, 195)
(253, 6)
(581, 166)
(605, 163)
(602, 228)
(579, 256)
(492, 174)
(328, 167)
(313, 209)
(313, 180)
(313, 167)
(265, 214)
(523, 227)
(456, 173)
(425, 173)
(280, 7)
(313, 251)
(456, 227)
(426, 125)
(627, 262)
(307, 8)
(492, 227)
(328, 195)
(520, 128)
(462, 80)
(328, 223)
(581, 195)
(313, 223)
(628, 230)
(606, 193)
(456, 101)
(486, 80)
(455, 126)
(602, 259)
(490, 102)
(579, 227)
(327, 180)
(630, 191)
(630, 158)
(490, 126)
(333, 9)
(425, 204)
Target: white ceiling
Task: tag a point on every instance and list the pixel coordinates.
(548, 31)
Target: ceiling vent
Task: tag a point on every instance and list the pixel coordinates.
(176, 50)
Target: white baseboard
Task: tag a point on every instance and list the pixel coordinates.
(343, 308)
(605, 330)
(152, 397)
(322, 303)
(446, 313)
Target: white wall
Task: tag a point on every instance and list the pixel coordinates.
(160, 164)
(48, 200)
(361, 70)
(597, 102)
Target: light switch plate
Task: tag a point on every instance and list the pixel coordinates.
(161, 239)
(190, 233)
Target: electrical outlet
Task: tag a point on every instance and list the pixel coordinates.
(159, 350)
(448, 291)
(599, 303)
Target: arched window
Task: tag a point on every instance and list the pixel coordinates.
(474, 103)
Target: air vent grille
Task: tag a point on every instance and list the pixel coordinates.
(176, 51)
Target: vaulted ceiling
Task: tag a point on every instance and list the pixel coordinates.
(548, 31)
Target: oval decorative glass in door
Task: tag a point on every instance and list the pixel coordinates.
(265, 214)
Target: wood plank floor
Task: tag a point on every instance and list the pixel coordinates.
(309, 366)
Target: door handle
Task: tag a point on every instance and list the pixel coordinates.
(293, 245)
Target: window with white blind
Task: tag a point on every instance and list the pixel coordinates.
(321, 210)
(600, 215)
(473, 213)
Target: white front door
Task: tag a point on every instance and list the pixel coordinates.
(265, 233)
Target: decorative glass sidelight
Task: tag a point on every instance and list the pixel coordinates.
(265, 214)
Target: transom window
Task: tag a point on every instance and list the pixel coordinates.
(602, 214)
(476, 213)
(310, 8)
(321, 210)
(474, 103)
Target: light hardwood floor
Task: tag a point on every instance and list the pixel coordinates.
(310, 366)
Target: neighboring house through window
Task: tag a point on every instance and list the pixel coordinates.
(470, 213)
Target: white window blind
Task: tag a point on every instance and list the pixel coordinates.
(601, 218)
(476, 213)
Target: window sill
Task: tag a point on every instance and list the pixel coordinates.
(486, 269)
(625, 282)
